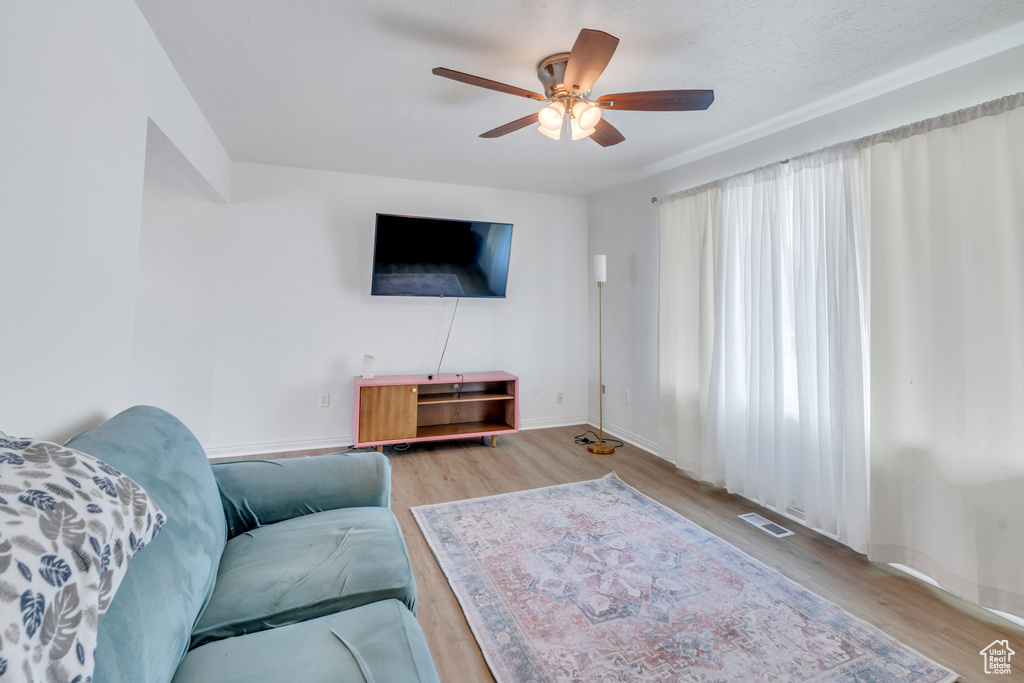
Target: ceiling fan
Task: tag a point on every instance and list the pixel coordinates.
(567, 78)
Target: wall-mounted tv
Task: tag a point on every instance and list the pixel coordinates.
(417, 256)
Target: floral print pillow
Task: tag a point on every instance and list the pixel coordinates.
(69, 524)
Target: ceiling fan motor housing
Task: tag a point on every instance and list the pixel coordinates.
(551, 72)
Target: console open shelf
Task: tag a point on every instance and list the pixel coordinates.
(410, 408)
(461, 429)
(466, 397)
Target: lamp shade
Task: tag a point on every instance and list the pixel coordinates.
(551, 116)
(553, 134)
(601, 268)
(586, 114)
(577, 132)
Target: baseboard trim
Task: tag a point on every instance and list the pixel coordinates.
(237, 450)
(214, 453)
(546, 423)
(629, 437)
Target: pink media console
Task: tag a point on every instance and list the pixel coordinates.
(409, 408)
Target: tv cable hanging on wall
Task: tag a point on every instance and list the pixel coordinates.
(454, 311)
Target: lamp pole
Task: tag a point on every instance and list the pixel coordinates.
(600, 274)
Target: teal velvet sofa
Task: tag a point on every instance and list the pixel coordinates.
(280, 570)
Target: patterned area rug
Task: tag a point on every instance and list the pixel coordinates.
(596, 582)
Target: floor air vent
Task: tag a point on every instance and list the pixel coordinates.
(766, 525)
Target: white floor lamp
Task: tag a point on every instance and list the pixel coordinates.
(601, 275)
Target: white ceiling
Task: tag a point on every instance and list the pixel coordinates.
(345, 85)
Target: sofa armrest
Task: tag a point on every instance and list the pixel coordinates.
(259, 492)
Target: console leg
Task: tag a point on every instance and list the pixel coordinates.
(380, 449)
(494, 440)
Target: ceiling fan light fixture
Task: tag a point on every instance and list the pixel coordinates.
(551, 116)
(553, 134)
(578, 132)
(586, 114)
(568, 79)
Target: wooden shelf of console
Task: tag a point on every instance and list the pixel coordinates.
(410, 408)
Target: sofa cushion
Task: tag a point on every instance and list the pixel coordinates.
(146, 631)
(377, 642)
(69, 526)
(307, 567)
(255, 493)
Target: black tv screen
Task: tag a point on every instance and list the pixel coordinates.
(416, 256)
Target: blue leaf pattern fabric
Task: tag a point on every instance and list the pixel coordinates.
(33, 606)
(108, 469)
(63, 553)
(39, 499)
(106, 486)
(54, 570)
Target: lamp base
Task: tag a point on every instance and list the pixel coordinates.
(601, 448)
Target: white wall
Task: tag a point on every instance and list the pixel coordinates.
(247, 311)
(80, 82)
(623, 223)
(175, 298)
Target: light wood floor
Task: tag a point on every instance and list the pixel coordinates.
(931, 621)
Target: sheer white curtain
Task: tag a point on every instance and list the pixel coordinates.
(779, 388)
(786, 409)
(947, 340)
(686, 327)
(762, 361)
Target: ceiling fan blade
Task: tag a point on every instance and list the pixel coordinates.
(590, 55)
(510, 127)
(659, 100)
(606, 135)
(485, 83)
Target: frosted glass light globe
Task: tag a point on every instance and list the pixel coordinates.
(578, 133)
(586, 114)
(553, 134)
(551, 116)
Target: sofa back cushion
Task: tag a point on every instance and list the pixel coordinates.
(145, 632)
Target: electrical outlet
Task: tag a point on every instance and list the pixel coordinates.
(627, 395)
(325, 400)
(558, 398)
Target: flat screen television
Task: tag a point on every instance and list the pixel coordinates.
(418, 256)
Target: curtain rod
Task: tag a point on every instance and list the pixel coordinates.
(992, 107)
